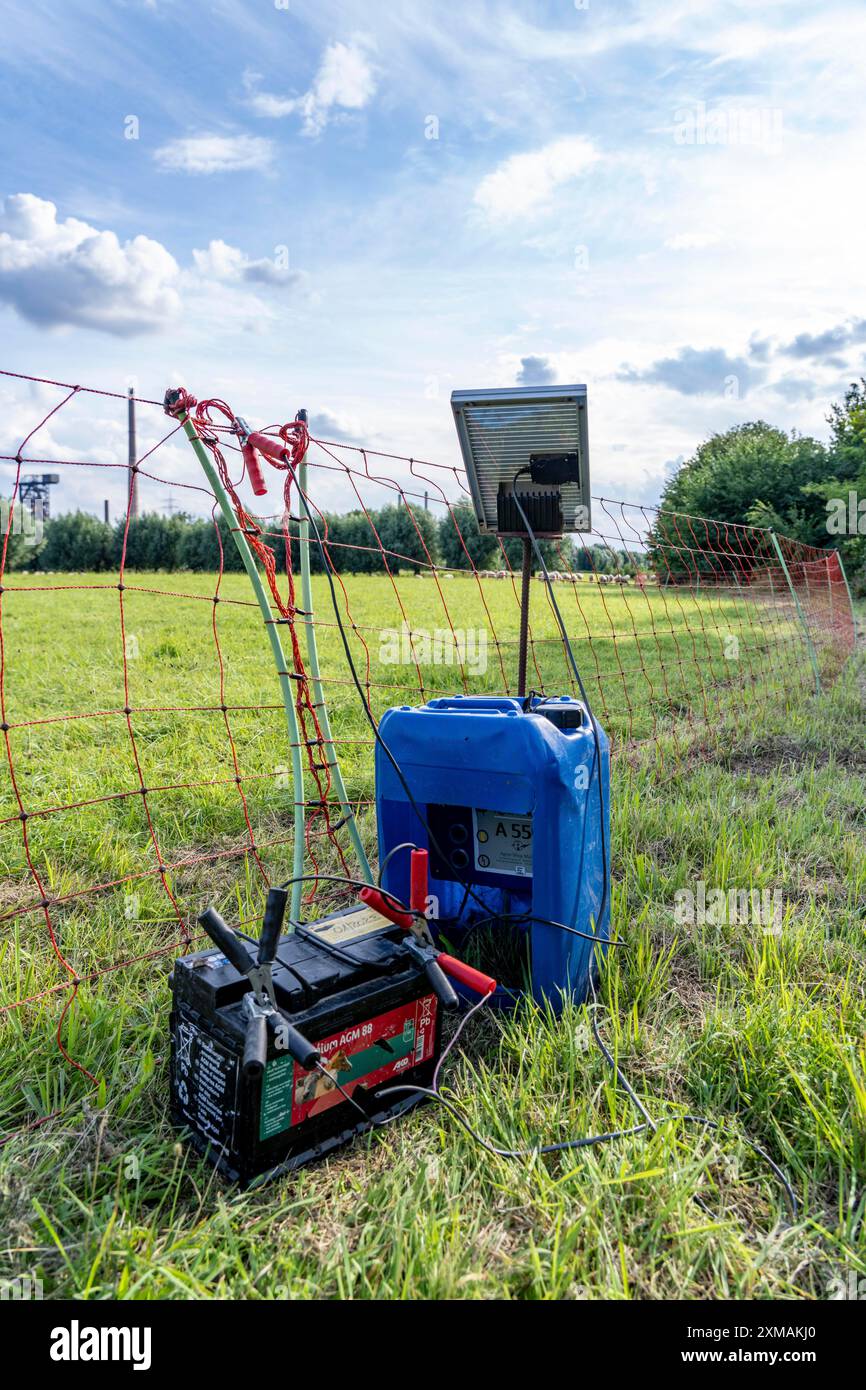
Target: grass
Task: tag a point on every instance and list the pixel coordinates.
(761, 1032)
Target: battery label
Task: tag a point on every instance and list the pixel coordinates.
(502, 843)
(352, 925)
(368, 1052)
(206, 1082)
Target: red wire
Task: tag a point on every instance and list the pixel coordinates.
(295, 441)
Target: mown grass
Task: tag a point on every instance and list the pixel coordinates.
(761, 1032)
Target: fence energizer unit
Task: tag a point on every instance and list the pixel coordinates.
(511, 796)
(509, 791)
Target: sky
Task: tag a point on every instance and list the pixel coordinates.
(357, 207)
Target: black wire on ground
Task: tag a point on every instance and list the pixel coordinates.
(591, 1140)
(588, 1141)
(544, 922)
(433, 1092)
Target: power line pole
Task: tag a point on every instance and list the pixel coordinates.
(133, 474)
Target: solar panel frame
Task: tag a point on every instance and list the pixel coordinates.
(499, 428)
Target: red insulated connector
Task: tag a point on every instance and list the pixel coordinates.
(254, 472)
(267, 445)
(418, 880)
(466, 975)
(371, 897)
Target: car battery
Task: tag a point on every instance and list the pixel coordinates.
(512, 801)
(350, 985)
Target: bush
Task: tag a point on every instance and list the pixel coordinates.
(77, 541)
(408, 535)
(199, 547)
(153, 542)
(482, 548)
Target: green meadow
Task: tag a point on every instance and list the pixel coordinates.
(728, 771)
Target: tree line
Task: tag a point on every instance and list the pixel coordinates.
(753, 474)
(757, 475)
(403, 536)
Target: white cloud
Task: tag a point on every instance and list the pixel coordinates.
(345, 80)
(526, 182)
(692, 241)
(67, 273)
(230, 265)
(215, 154)
(71, 273)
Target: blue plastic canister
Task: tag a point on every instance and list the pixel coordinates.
(510, 792)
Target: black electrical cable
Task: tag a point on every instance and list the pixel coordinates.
(328, 567)
(580, 685)
(588, 1141)
(544, 922)
(433, 1093)
(591, 1140)
(343, 1092)
(338, 952)
(567, 1145)
(467, 889)
(351, 882)
(406, 844)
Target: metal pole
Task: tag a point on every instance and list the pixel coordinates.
(315, 675)
(525, 583)
(132, 456)
(813, 655)
(227, 509)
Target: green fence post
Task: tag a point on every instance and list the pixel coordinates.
(847, 588)
(315, 673)
(813, 655)
(227, 509)
(850, 595)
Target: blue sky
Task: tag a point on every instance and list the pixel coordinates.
(357, 207)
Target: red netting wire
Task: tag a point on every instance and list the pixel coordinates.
(680, 623)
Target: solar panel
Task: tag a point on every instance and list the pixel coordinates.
(500, 429)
